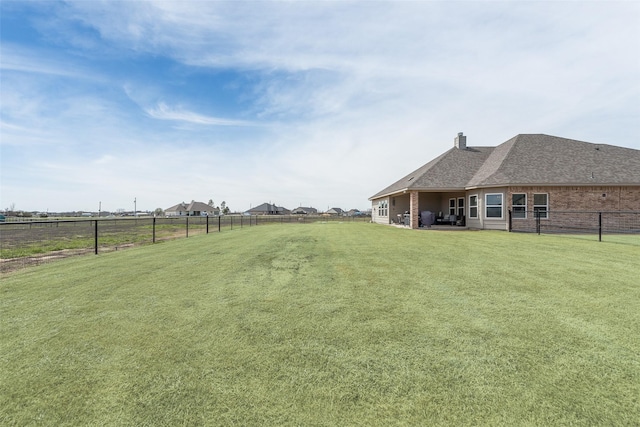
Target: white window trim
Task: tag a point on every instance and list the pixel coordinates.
(477, 206)
(487, 206)
(520, 206)
(452, 207)
(458, 207)
(546, 206)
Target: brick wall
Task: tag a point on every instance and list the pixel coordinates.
(585, 202)
(414, 209)
(630, 198)
(597, 198)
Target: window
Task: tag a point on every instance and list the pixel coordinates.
(473, 206)
(383, 208)
(541, 205)
(493, 203)
(460, 207)
(452, 206)
(519, 205)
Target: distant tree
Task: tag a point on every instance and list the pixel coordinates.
(210, 203)
(223, 206)
(158, 212)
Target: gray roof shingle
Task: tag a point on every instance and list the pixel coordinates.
(199, 206)
(526, 159)
(268, 207)
(451, 170)
(550, 160)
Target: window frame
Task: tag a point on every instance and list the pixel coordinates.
(452, 206)
(488, 206)
(537, 206)
(473, 206)
(521, 207)
(383, 208)
(460, 207)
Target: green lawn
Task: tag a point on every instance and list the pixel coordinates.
(327, 324)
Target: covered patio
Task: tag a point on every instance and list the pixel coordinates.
(417, 209)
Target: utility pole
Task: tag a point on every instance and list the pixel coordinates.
(99, 208)
(135, 206)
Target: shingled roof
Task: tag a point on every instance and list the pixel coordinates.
(268, 208)
(191, 207)
(526, 159)
(551, 160)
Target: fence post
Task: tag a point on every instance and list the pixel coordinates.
(510, 221)
(207, 224)
(187, 225)
(241, 222)
(599, 226)
(231, 218)
(218, 223)
(95, 233)
(154, 229)
(537, 221)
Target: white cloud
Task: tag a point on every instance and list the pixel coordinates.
(341, 98)
(17, 58)
(162, 111)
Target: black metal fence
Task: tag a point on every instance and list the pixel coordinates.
(618, 226)
(25, 243)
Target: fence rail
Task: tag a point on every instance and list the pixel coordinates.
(579, 223)
(29, 243)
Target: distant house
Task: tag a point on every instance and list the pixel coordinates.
(192, 209)
(268, 209)
(304, 211)
(335, 211)
(353, 212)
(530, 174)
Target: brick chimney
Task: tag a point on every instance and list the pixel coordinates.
(460, 142)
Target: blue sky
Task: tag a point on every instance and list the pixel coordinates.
(312, 103)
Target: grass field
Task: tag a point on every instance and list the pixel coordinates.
(327, 324)
(18, 240)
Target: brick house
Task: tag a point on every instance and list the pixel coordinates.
(304, 211)
(479, 186)
(268, 209)
(192, 209)
(335, 212)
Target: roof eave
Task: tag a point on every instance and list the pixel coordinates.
(422, 190)
(554, 184)
(391, 193)
(494, 185)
